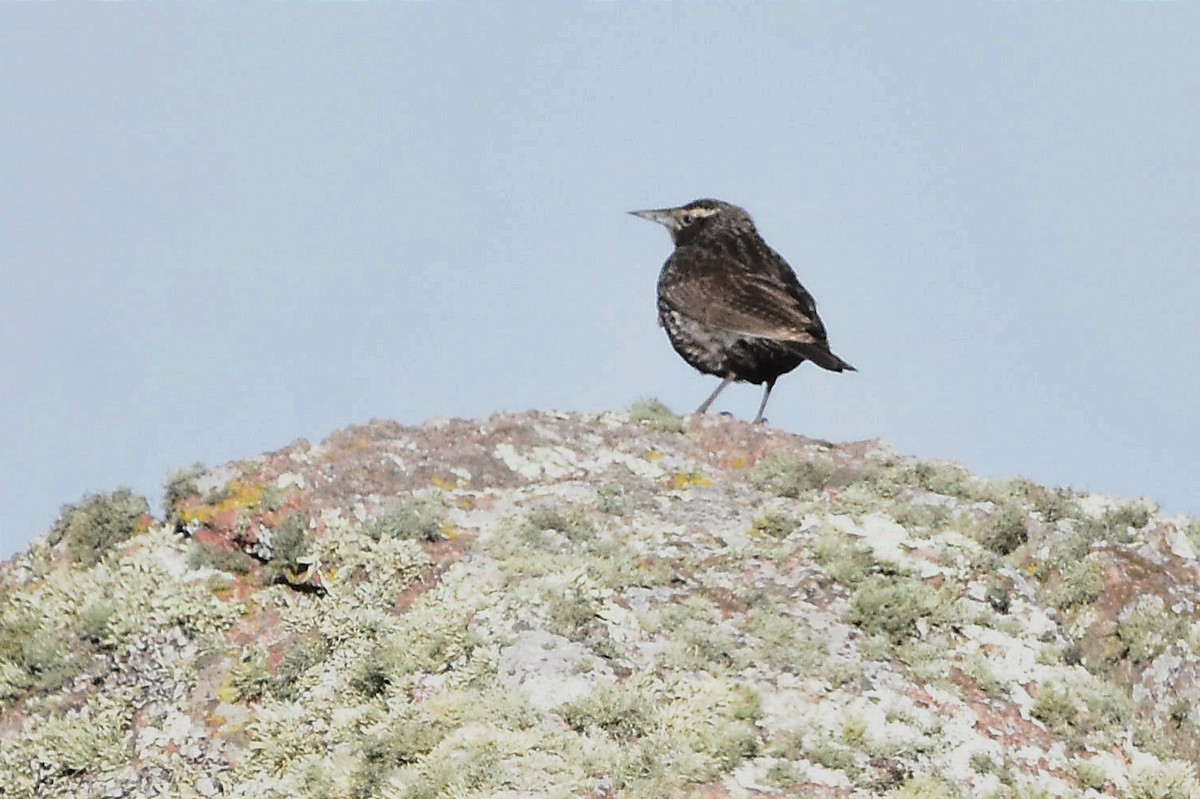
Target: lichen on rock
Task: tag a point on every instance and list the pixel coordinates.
(611, 605)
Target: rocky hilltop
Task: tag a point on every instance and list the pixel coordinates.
(614, 605)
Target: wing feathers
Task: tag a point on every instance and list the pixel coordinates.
(719, 292)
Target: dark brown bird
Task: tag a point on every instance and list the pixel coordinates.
(731, 305)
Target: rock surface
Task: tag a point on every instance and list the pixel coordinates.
(612, 605)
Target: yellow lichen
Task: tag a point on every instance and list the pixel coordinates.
(682, 480)
(447, 484)
(237, 496)
(226, 692)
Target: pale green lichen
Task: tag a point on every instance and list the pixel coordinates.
(775, 524)
(1055, 504)
(1091, 775)
(303, 656)
(1084, 706)
(92, 528)
(980, 668)
(847, 561)
(289, 549)
(210, 556)
(948, 479)
(575, 615)
(1057, 709)
(788, 475)
(400, 739)
(699, 640)
(1080, 584)
(780, 640)
(894, 605)
(1192, 531)
(891, 477)
(92, 624)
(53, 750)
(730, 735)
(570, 521)
(1173, 779)
(983, 763)
(38, 655)
(180, 485)
(1147, 628)
(625, 711)
(925, 659)
(416, 518)
(926, 787)
(249, 679)
(1003, 531)
(923, 518)
(431, 640)
(804, 745)
(1116, 525)
(49, 639)
(610, 499)
(656, 416)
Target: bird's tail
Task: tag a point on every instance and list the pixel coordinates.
(827, 360)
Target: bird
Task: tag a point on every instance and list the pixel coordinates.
(732, 306)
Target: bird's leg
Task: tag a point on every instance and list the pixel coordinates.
(763, 405)
(704, 405)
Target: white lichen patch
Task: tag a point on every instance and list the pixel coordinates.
(290, 480)
(888, 541)
(550, 669)
(554, 463)
(216, 478)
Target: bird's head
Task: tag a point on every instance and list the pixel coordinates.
(699, 218)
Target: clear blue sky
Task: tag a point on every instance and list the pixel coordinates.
(224, 228)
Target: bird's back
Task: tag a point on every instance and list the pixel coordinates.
(732, 305)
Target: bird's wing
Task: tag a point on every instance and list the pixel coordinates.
(761, 304)
(774, 263)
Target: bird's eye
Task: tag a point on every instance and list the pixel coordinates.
(687, 219)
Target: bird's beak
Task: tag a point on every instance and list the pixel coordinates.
(663, 216)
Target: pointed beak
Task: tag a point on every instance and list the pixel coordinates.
(662, 216)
